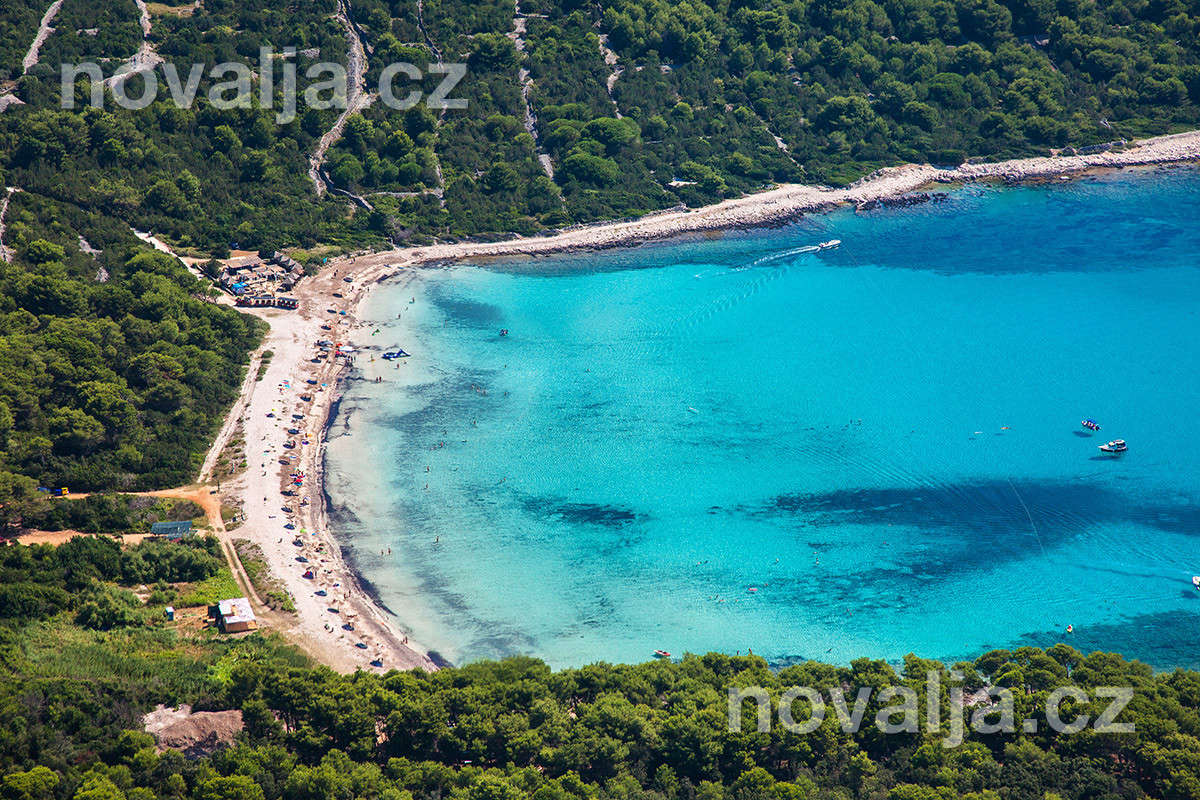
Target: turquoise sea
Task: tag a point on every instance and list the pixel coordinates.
(729, 444)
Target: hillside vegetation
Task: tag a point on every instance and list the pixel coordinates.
(115, 369)
(632, 106)
(84, 658)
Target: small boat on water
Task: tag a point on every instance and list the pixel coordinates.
(1090, 424)
(1196, 581)
(830, 245)
(1116, 447)
(661, 654)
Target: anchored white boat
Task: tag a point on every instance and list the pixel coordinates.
(1116, 447)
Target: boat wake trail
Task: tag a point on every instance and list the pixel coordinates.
(1030, 516)
(795, 251)
(727, 301)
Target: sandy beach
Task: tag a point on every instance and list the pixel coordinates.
(271, 407)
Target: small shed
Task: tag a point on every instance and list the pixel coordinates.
(234, 615)
(169, 613)
(172, 530)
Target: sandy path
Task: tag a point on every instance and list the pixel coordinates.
(232, 419)
(356, 98)
(613, 63)
(437, 53)
(145, 59)
(208, 499)
(189, 263)
(5, 255)
(44, 31)
(517, 35)
(62, 537)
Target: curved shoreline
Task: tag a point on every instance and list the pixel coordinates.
(293, 335)
(790, 200)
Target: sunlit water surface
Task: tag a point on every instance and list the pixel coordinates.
(734, 443)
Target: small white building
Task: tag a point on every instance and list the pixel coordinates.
(235, 615)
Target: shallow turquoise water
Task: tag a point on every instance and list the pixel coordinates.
(881, 441)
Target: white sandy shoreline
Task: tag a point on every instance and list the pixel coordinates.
(293, 334)
(790, 200)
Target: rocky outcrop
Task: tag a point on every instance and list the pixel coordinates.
(902, 201)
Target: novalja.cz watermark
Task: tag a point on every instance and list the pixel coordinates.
(233, 85)
(992, 709)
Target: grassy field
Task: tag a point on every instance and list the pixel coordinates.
(221, 586)
(150, 656)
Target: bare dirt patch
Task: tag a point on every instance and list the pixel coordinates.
(195, 734)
